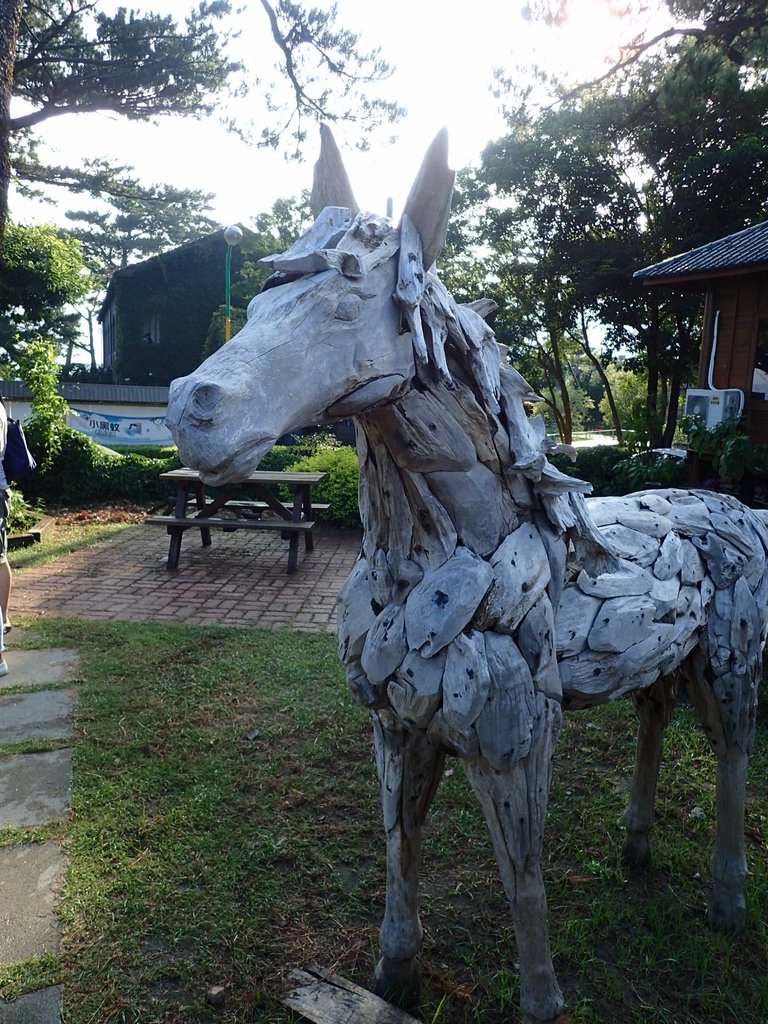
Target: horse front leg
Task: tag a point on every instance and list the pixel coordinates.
(409, 769)
(515, 806)
(654, 708)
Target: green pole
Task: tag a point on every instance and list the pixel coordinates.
(233, 236)
(227, 320)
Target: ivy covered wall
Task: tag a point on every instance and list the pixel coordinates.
(168, 309)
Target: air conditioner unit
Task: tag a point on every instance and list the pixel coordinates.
(714, 407)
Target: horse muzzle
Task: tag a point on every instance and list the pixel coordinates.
(211, 432)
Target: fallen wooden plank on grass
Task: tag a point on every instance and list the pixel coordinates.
(329, 999)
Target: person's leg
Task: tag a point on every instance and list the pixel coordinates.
(5, 575)
(5, 587)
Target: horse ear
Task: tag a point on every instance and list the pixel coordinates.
(428, 205)
(331, 185)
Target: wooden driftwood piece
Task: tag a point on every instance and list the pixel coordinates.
(536, 640)
(522, 573)
(479, 506)
(416, 692)
(305, 256)
(621, 622)
(439, 607)
(326, 998)
(466, 680)
(489, 592)
(670, 558)
(424, 437)
(410, 286)
(428, 204)
(615, 584)
(330, 185)
(575, 616)
(356, 615)
(386, 645)
(505, 724)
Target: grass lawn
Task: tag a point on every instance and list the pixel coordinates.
(225, 829)
(61, 539)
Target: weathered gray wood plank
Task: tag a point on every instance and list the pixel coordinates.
(329, 999)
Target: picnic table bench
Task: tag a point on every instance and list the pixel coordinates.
(226, 510)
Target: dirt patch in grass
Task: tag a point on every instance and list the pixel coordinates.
(99, 514)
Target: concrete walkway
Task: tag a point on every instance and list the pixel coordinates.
(34, 790)
(240, 580)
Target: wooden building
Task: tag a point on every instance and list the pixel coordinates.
(158, 315)
(733, 273)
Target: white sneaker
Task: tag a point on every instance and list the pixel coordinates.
(3, 667)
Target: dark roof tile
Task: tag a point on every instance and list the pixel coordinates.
(83, 391)
(747, 248)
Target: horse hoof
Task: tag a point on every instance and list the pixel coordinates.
(727, 912)
(636, 852)
(541, 1000)
(397, 981)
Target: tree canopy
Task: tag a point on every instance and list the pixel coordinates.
(138, 223)
(59, 57)
(667, 152)
(73, 58)
(42, 274)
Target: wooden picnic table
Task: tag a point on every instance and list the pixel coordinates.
(192, 509)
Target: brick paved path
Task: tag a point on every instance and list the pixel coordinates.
(240, 580)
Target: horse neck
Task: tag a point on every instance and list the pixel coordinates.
(436, 472)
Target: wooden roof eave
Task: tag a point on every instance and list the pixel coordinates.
(703, 278)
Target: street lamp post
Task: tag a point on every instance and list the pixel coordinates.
(233, 235)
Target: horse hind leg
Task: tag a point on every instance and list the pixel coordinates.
(726, 709)
(409, 769)
(515, 806)
(654, 707)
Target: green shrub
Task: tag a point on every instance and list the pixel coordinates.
(284, 455)
(149, 451)
(339, 489)
(40, 372)
(279, 458)
(23, 514)
(642, 468)
(728, 447)
(596, 465)
(82, 471)
(620, 469)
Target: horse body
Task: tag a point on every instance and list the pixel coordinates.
(488, 593)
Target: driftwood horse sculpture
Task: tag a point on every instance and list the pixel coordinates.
(489, 593)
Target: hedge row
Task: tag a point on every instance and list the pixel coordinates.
(83, 472)
(620, 470)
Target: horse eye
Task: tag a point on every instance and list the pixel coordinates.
(349, 308)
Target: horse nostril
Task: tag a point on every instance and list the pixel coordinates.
(205, 401)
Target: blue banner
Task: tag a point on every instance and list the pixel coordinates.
(109, 430)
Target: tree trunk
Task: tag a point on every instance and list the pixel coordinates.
(565, 420)
(687, 343)
(675, 387)
(584, 343)
(91, 341)
(68, 357)
(652, 349)
(10, 16)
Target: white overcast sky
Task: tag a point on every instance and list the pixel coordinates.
(444, 57)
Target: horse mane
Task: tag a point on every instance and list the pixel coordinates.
(452, 343)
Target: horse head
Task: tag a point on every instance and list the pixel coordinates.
(331, 334)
